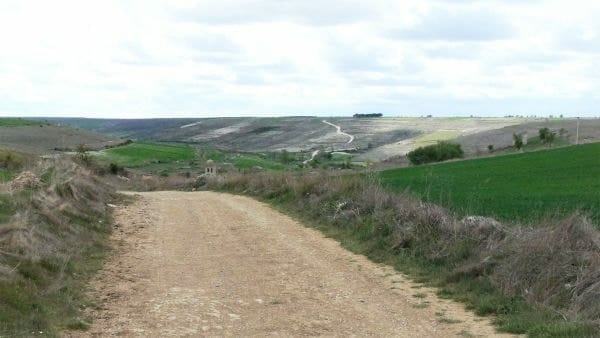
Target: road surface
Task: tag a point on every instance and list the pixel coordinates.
(206, 264)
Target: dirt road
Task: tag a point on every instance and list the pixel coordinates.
(194, 264)
(338, 130)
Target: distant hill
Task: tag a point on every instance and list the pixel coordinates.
(369, 138)
(37, 137)
(249, 133)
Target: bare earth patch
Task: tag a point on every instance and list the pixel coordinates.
(196, 264)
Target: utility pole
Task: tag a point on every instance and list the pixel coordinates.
(577, 135)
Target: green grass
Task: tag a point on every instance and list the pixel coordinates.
(5, 175)
(17, 122)
(521, 187)
(7, 208)
(141, 154)
(32, 307)
(47, 294)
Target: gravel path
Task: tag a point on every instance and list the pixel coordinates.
(206, 264)
(339, 131)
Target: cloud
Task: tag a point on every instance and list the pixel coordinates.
(231, 12)
(457, 25)
(239, 57)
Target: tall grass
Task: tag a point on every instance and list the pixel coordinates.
(53, 241)
(540, 280)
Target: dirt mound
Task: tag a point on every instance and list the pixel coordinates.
(25, 180)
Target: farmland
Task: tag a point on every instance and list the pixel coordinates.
(520, 187)
(142, 154)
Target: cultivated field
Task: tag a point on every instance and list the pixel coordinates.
(518, 187)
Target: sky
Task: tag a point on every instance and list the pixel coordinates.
(132, 59)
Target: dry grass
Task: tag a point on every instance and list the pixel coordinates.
(555, 267)
(49, 245)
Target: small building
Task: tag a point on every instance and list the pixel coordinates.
(210, 168)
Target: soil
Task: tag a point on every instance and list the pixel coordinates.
(212, 264)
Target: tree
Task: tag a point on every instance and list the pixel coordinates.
(518, 141)
(543, 134)
(547, 136)
(550, 137)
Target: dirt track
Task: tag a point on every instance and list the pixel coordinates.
(193, 264)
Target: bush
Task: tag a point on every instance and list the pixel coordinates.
(115, 168)
(518, 141)
(10, 160)
(435, 153)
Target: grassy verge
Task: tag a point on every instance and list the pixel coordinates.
(522, 187)
(517, 274)
(52, 241)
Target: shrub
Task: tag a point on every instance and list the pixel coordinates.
(546, 135)
(518, 141)
(10, 160)
(115, 168)
(441, 151)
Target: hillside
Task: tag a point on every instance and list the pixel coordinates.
(373, 139)
(42, 138)
(512, 187)
(589, 131)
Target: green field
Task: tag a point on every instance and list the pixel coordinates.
(142, 154)
(16, 122)
(520, 187)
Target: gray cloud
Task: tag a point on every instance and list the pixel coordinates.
(461, 25)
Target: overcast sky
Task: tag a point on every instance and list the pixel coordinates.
(299, 57)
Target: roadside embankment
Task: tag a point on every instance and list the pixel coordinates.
(51, 239)
(541, 280)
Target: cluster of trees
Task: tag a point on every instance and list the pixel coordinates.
(367, 115)
(441, 151)
(546, 135)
